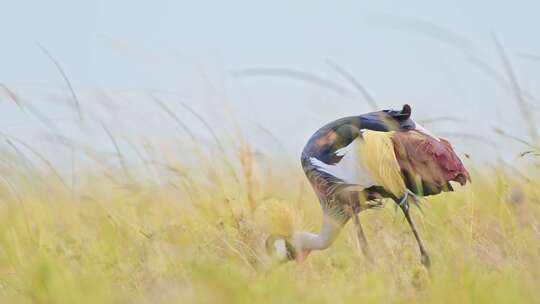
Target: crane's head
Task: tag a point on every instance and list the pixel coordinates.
(285, 249)
(282, 222)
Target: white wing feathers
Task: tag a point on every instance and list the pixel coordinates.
(350, 168)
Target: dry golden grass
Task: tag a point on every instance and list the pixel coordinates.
(195, 234)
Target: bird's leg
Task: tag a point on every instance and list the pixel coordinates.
(360, 234)
(404, 205)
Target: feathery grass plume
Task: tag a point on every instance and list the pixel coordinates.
(377, 154)
(276, 217)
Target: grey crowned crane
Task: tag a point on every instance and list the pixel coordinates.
(354, 161)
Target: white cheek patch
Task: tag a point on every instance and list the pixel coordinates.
(281, 250)
(350, 168)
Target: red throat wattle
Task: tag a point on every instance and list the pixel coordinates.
(302, 256)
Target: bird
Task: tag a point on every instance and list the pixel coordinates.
(355, 162)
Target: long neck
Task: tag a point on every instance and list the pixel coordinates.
(329, 231)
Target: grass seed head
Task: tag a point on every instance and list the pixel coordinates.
(277, 217)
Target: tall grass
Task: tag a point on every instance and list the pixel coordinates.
(188, 234)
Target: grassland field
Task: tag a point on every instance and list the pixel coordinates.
(164, 231)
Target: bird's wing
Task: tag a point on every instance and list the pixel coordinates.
(428, 163)
(350, 169)
(379, 159)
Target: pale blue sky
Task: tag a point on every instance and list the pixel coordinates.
(394, 48)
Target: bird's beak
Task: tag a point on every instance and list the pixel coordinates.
(301, 257)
